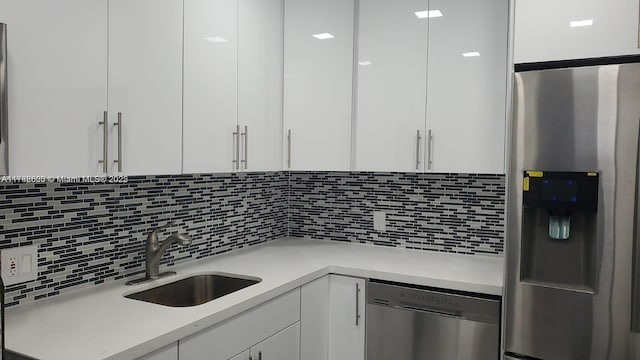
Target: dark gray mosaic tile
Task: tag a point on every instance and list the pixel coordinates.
(91, 233)
(457, 213)
(88, 234)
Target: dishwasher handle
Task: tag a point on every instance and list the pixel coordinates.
(430, 311)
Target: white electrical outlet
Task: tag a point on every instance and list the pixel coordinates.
(19, 264)
(379, 221)
(13, 266)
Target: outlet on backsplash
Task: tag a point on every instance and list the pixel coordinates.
(380, 221)
(19, 264)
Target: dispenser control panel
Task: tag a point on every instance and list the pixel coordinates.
(561, 191)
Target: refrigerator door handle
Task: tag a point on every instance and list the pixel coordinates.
(635, 286)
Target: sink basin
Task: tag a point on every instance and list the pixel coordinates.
(194, 290)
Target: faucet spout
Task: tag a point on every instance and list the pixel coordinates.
(182, 239)
(154, 250)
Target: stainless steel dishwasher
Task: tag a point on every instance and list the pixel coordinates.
(419, 323)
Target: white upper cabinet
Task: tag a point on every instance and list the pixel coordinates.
(547, 30)
(70, 61)
(467, 82)
(145, 86)
(232, 85)
(391, 87)
(57, 64)
(260, 53)
(210, 87)
(432, 82)
(318, 68)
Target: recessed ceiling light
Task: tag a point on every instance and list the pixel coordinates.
(323, 36)
(215, 39)
(579, 23)
(471, 54)
(428, 14)
(364, 63)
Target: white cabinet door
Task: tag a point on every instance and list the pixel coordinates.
(318, 68)
(210, 87)
(223, 341)
(548, 30)
(245, 355)
(391, 91)
(346, 317)
(284, 345)
(260, 41)
(314, 319)
(467, 82)
(57, 69)
(169, 352)
(145, 86)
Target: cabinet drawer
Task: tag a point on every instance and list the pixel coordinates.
(221, 342)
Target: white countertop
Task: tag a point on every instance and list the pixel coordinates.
(99, 323)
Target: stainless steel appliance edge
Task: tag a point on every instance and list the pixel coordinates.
(4, 101)
(571, 299)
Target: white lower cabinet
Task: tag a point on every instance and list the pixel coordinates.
(284, 345)
(234, 336)
(322, 320)
(314, 319)
(169, 352)
(333, 319)
(245, 355)
(346, 317)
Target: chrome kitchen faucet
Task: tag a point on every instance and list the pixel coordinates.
(154, 251)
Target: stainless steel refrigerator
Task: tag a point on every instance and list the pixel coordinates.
(573, 269)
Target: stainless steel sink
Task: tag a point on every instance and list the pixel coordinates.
(194, 290)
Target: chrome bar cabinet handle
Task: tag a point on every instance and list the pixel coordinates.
(119, 125)
(418, 138)
(105, 142)
(429, 146)
(289, 149)
(357, 304)
(236, 137)
(246, 145)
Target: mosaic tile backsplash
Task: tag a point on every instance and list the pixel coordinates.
(456, 213)
(88, 234)
(91, 233)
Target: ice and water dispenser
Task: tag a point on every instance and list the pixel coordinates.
(559, 229)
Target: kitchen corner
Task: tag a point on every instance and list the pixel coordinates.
(328, 179)
(100, 323)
